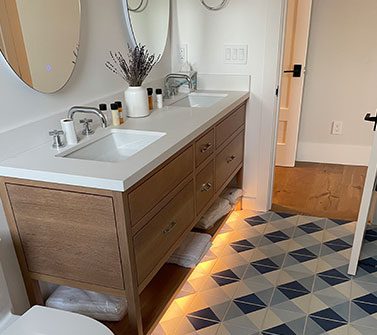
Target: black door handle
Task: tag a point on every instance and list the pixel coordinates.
(370, 118)
(297, 69)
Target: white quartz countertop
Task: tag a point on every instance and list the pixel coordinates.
(181, 125)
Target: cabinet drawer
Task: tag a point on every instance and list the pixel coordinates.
(204, 147)
(228, 160)
(156, 239)
(230, 125)
(205, 186)
(160, 184)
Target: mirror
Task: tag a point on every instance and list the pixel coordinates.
(40, 40)
(148, 23)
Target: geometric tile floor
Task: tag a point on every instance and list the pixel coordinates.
(279, 274)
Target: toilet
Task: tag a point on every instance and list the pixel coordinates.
(40, 320)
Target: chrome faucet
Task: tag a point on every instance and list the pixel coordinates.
(88, 110)
(191, 79)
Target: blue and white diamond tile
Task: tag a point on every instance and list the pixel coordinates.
(331, 223)
(257, 220)
(312, 227)
(281, 322)
(286, 216)
(272, 273)
(371, 235)
(276, 236)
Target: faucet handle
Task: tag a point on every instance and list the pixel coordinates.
(57, 140)
(86, 126)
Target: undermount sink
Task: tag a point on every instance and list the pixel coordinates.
(200, 100)
(118, 145)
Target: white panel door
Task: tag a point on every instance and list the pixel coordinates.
(292, 82)
(368, 208)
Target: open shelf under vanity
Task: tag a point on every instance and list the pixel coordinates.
(156, 298)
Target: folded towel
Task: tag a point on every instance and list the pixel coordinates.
(95, 305)
(220, 208)
(190, 263)
(232, 195)
(192, 250)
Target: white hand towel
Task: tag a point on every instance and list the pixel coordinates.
(192, 250)
(220, 208)
(232, 195)
(95, 305)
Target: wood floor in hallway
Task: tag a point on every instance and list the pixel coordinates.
(322, 190)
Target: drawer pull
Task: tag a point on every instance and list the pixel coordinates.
(231, 158)
(206, 187)
(169, 228)
(205, 147)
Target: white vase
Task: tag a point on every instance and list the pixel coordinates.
(136, 101)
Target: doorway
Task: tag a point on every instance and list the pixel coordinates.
(324, 175)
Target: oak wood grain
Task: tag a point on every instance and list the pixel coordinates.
(228, 160)
(127, 252)
(155, 240)
(230, 125)
(205, 186)
(322, 190)
(204, 147)
(32, 286)
(67, 234)
(157, 186)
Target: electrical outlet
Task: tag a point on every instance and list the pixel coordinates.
(337, 128)
(183, 53)
(236, 54)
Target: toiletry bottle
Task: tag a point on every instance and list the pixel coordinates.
(115, 114)
(150, 98)
(120, 111)
(103, 109)
(160, 101)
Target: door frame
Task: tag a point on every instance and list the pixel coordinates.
(269, 125)
(274, 125)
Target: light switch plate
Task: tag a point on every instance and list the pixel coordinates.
(183, 53)
(236, 54)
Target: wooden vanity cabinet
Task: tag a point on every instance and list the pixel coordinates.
(119, 243)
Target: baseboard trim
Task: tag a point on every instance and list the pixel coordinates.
(250, 203)
(333, 153)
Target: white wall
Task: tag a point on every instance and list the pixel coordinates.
(256, 23)
(103, 29)
(341, 82)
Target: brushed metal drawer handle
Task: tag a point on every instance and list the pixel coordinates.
(231, 158)
(169, 228)
(205, 147)
(206, 187)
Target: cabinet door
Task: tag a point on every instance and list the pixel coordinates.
(68, 234)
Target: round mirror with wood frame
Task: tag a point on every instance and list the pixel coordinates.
(40, 40)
